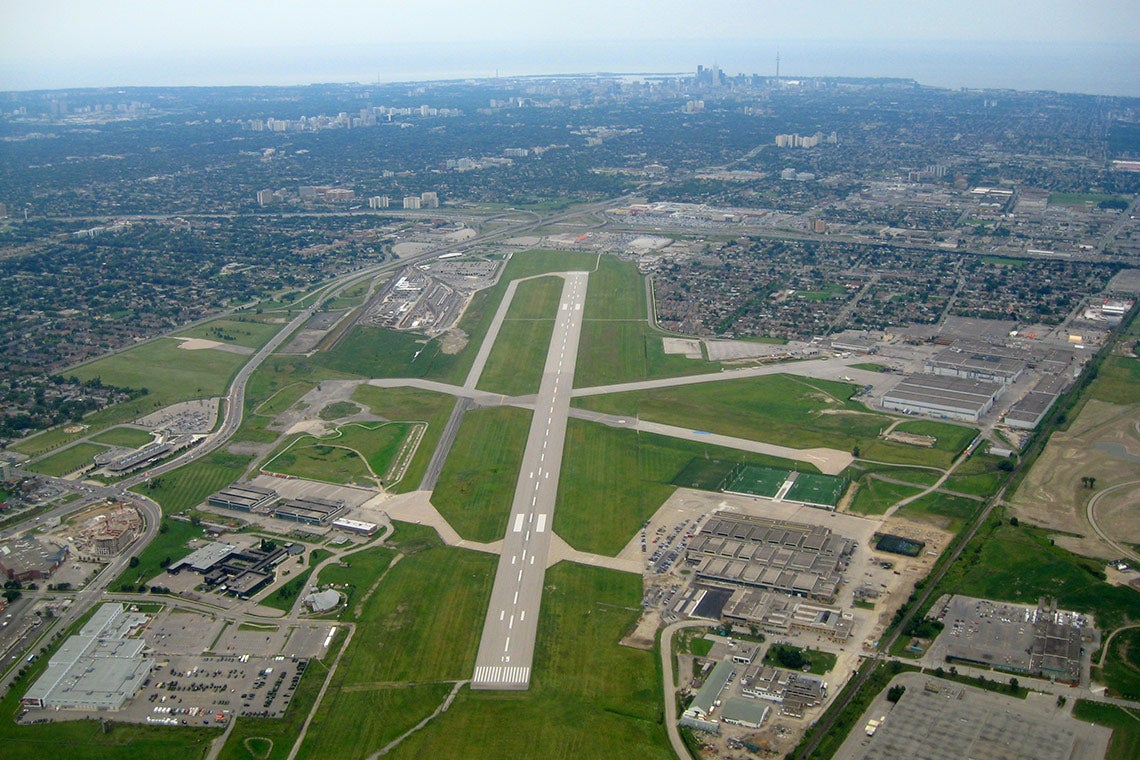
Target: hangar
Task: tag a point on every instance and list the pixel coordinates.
(99, 668)
(943, 396)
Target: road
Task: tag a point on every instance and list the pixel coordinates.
(506, 649)
(671, 688)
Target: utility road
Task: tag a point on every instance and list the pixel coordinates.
(507, 647)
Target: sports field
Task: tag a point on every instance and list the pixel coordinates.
(817, 489)
(68, 460)
(758, 481)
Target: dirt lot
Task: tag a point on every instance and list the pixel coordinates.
(1103, 443)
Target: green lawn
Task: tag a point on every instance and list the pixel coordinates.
(66, 461)
(477, 484)
(1121, 671)
(614, 479)
(354, 722)
(284, 597)
(357, 572)
(1125, 725)
(980, 475)
(131, 438)
(944, 510)
(192, 483)
(376, 352)
(875, 496)
(307, 458)
(517, 360)
(1118, 381)
(1082, 199)
(410, 405)
(169, 544)
(276, 386)
(338, 410)
(818, 662)
(1021, 564)
(582, 677)
(245, 331)
(352, 455)
(776, 409)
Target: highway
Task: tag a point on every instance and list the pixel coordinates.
(506, 649)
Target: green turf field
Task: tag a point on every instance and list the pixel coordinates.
(817, 489)
(131, 438)
(244, 331)
(706, 474)
(582, 678)
(477, 484)
(1121, 671)
(778, 409)
(356, 453)
(875, 496)
(758, 481)
(1125, 725)
(410, 405)
(516, 362)
(943, 510)
(67, 460)
(192, 483)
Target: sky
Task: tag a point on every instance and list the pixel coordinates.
(74, 43)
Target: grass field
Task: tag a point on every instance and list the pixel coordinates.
(192, 483)
(246, 331)
(276, 385)
(817, 489)
(614, 479)
(980, 475)
(318, 461)
(170, 543)
(1121, 671)
(818, 662)
(1118, 381)
(1021, 564)
(1125, 725)
(131, 438)
(760, 481)
(357, 572)
(67, 461)
(582, 678)
(944, 510)
(477, 484)
(776, 408)
(286, 594)
(1081, 199)
(705, 474)
(875, 496)
(338, 410)
(618, 344)
(352, 455)
(516, 362)
(410, 405)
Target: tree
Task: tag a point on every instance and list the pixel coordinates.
(134, 562)
(894, 694)
(1013, 686)
(1013, 521)
(163, 527)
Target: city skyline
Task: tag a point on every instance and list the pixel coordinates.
(54, 45)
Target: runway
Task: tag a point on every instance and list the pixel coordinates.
(506, 649)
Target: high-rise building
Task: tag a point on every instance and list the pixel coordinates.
(411, 202)
(429, 200)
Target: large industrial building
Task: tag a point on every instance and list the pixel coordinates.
(1039, 641)
(976, 365)
(99, 668)
(1028, 412)
(242, 497)
(699, 713)
(309, 510)
(238, 571)
(792, 558)
(943, 396)
(782, 615)
(794, 692)
(29, 559)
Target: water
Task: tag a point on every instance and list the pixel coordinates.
(1101, 69)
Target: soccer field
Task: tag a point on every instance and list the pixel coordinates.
(758, 481)
(817, 489)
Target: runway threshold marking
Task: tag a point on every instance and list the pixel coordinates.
(541, 524)
(519, 520)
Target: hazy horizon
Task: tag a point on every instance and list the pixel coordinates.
(1088, 68)
(1090, 47)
